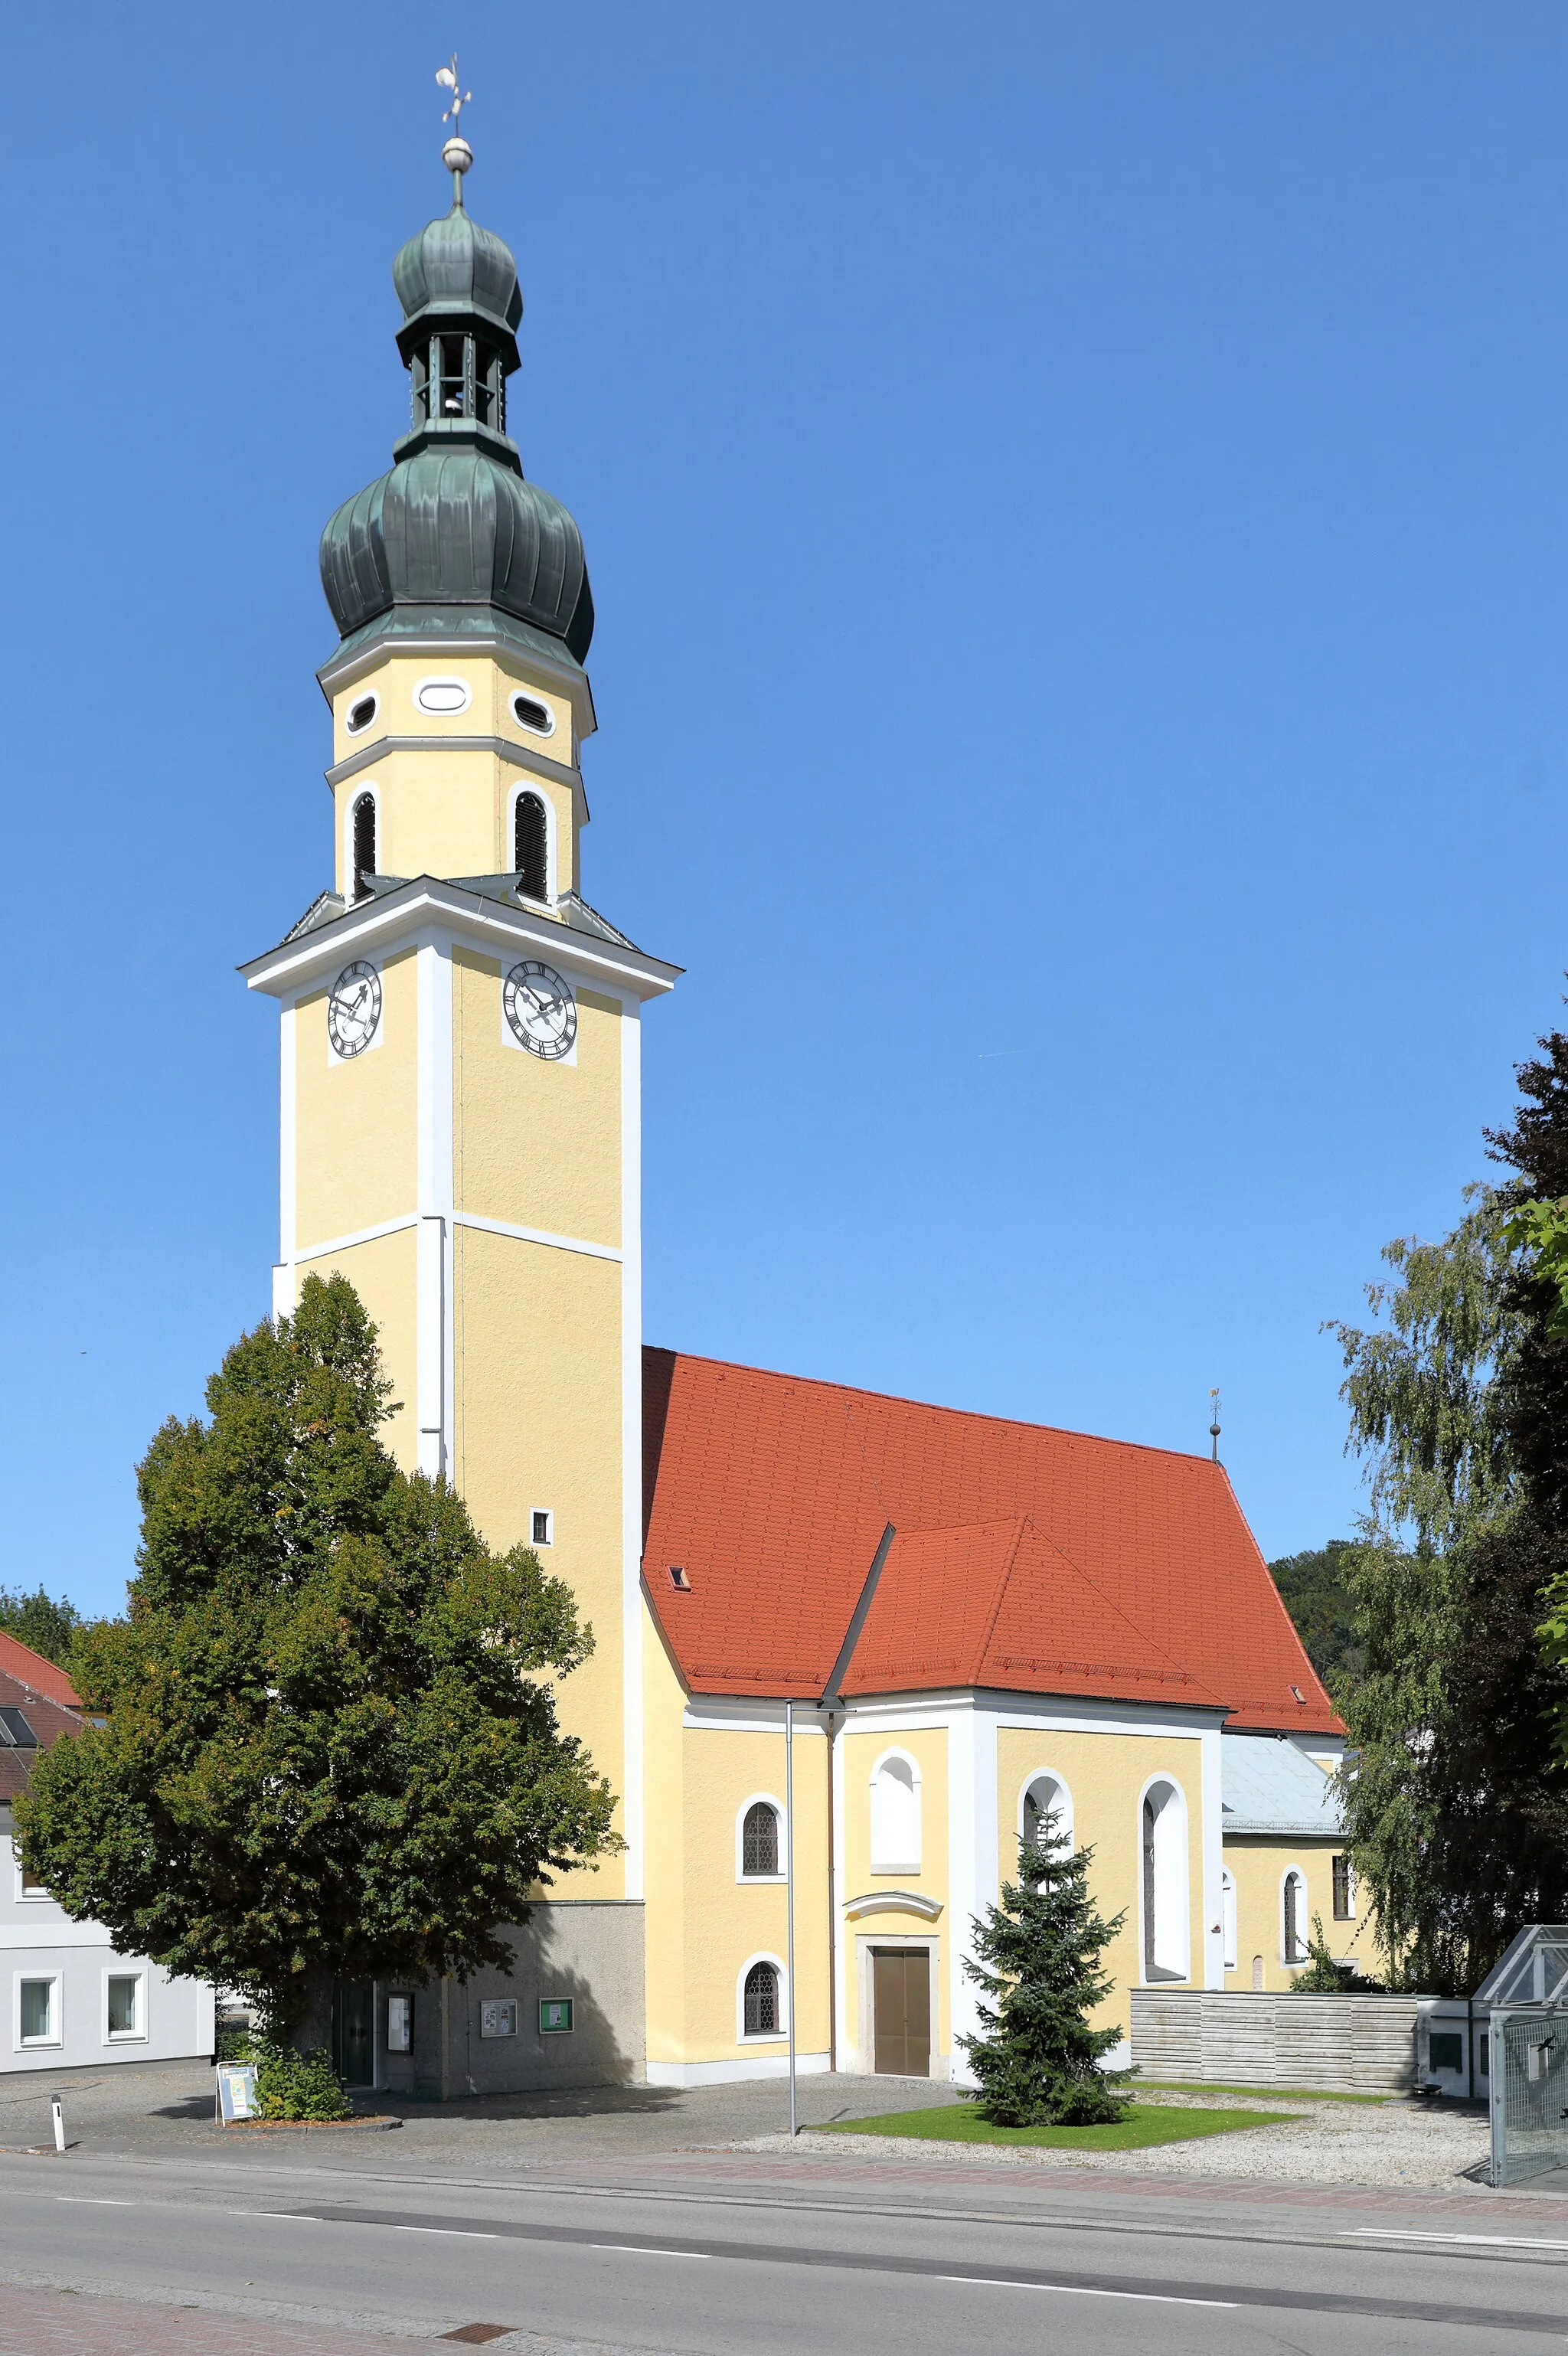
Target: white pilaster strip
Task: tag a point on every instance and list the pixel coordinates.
(432, 1332)
(972, 1862)
(288, 1149)
(631, 1034)
(1212, 1850)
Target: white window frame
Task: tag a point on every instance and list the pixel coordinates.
(1174, 1972)
(1063, 1809)
(355, 701)
(357, 790)
(779, 2036)
(1231, 1944)
(137, 2036)
(548, 1538)
(530, 695)
(763, 1880)
(903, 1864)
(25, 1897)
(20, 2044)
(1295, 1873)
(551, 871)
(442, 679)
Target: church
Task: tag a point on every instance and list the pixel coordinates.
(972, 1626)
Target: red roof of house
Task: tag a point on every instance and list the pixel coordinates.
(20, 1661)
(48, 1719)
(1025, 1559)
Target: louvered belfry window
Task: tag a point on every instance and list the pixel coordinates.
(531, 847)
(760, 1839)
(364, 844)
(762, 2000)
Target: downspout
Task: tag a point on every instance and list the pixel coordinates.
(829, 1702)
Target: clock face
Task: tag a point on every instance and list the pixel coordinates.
(541, 1010)
(354, 1009)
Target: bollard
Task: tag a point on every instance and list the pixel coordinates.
(57, 2108)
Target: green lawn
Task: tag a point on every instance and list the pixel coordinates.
(1145, 2124)
(1270, 2093)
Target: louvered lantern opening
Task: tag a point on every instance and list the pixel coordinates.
(364, 844)
(760, 1839)
(530, 849)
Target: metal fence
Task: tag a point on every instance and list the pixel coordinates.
(1529, 2090)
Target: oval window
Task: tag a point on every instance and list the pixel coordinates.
(361, 714)
(442, 695)
(536, 716)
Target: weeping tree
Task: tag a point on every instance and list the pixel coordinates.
(1458, 1799)
(330, 1746)
(1037, 1964)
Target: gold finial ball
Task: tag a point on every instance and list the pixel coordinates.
(457, 155)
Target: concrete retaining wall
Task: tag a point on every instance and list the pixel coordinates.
(1347, 2044)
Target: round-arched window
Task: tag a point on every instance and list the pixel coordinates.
(760, 1838)
(1293, 1909)
(1047, 1813)
(760, 2001)
(530, 846)
(364, 844)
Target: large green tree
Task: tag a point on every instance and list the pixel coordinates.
(1315, 1588)
(331, 1747)
(46, 1623)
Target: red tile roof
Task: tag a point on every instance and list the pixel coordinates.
(19, 1661)
(48, 1719)
(1025, 1560)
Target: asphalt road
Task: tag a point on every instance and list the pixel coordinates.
(708, 2262)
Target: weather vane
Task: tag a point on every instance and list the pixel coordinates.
(456, 155)
(1214, 1427)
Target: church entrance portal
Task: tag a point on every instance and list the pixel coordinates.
(900, 2011)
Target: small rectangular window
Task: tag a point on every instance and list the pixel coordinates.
(544, 1526)
(499, 2019)
(400, 2024)
(124, 2004)
(1344, 1891)
(39, 2010)
(1445, 2050)
(1485, 2055)
(31, 1886)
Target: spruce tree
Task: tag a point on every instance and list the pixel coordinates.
(330, 1748)
(1039, 2059)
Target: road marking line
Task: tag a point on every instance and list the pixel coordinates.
(1082, 2290)
(634, 2249)
(456, 2233)
(282, 2214)
(1499, 2241)
(88, 2200)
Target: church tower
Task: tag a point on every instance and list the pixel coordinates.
(459, 1064)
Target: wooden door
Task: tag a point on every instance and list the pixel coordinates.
(900, 2011)
(354, 2031)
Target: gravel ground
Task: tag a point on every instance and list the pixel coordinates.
(1383, 2143)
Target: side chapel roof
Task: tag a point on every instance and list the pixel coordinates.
(1025, 1560)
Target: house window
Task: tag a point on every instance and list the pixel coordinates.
(760, 1839)
(1344, 1891)
(895, 1817)
(531, 847)
(124, 2003)
(1046, 1813)
(364, 844)
(1292, 1907)
(761, 2000)
(1445, 2050)
(37, 2012)
(543, 1525)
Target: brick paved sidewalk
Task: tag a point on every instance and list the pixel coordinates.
(69, 2323)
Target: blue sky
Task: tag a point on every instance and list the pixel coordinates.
(1076, 499)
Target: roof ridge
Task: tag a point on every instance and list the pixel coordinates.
(1020, 1523)
(1126, 1618)
(931, 1407)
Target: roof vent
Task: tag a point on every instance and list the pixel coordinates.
(14, 1731)
(678, 1578)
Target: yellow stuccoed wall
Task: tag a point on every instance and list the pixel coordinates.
(1258, 1869)
(858, 1755)
(355, 1121)
(382, 1274)
(1105, 1772)
(535, 1143)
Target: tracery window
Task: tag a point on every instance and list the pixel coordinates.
(760, 1839)
(761, 2000)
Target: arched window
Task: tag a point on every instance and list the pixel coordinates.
(1228, 1918)
(760, 2001)
(895, 1817)
(1046, 1813)
(531, 847)
(760, 1838)
(1165, 1909)
(364, 844)
(1293, 1909)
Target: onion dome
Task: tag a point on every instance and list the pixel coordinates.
(454, 538)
